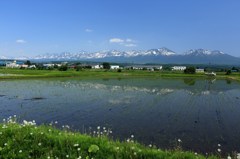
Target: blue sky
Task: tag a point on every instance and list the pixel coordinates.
(32, 27)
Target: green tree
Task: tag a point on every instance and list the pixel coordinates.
(28, 63)
(106, 65)
(228, 72)
(63, 68)
(190, 70)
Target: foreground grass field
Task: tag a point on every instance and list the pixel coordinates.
(94, 73)
(27, 140)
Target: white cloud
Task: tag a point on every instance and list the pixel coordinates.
(130, 45)
(130, 40)
(116, 40)
(88, 30)
(21, 41)
(124, 42)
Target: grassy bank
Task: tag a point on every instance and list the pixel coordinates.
(27, 140)
(93, 73)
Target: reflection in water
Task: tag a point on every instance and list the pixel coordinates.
(189, 81)
(155, 111)
(228, 81)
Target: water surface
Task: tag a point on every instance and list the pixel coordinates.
(202, 113)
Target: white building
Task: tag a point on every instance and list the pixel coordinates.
(32, 66)
(148, 67)
(97, 66)
(24, 66)
(114, 67)
(12, 64)
(178, 68)
(48, 65)
(200, 70)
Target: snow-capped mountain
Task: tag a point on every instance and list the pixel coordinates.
(203, 52)
(161, 55)
(106, 54)
(202, 56)
(162, 51)
(3, 57)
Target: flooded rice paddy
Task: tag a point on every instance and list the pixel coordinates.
(202, 113)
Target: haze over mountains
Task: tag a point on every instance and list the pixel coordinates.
(162, 55)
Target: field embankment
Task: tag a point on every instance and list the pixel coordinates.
(93, 73)
(27, 140)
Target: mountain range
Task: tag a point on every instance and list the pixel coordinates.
(161, 55)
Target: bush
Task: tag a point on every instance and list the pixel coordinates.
(190, 70)
(106, 65)
(228, 72)
(78, 68)
(119, 70)
(63, 68)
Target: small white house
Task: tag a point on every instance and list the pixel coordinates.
(12, 64)
(32, 66)
(199, 70)
(97, 66)
(48, 65)
(178, 68)
(114, 67)
(24, 66)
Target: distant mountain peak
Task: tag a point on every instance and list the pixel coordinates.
(161, 51)
(162, 55)
(202, 52)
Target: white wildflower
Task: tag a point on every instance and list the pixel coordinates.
(238, 156)
(76, 145)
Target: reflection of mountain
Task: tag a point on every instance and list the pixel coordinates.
(204, 88)
(99, 86)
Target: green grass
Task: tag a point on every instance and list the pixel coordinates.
(18, 73)
(94, 73)
(27, 140)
